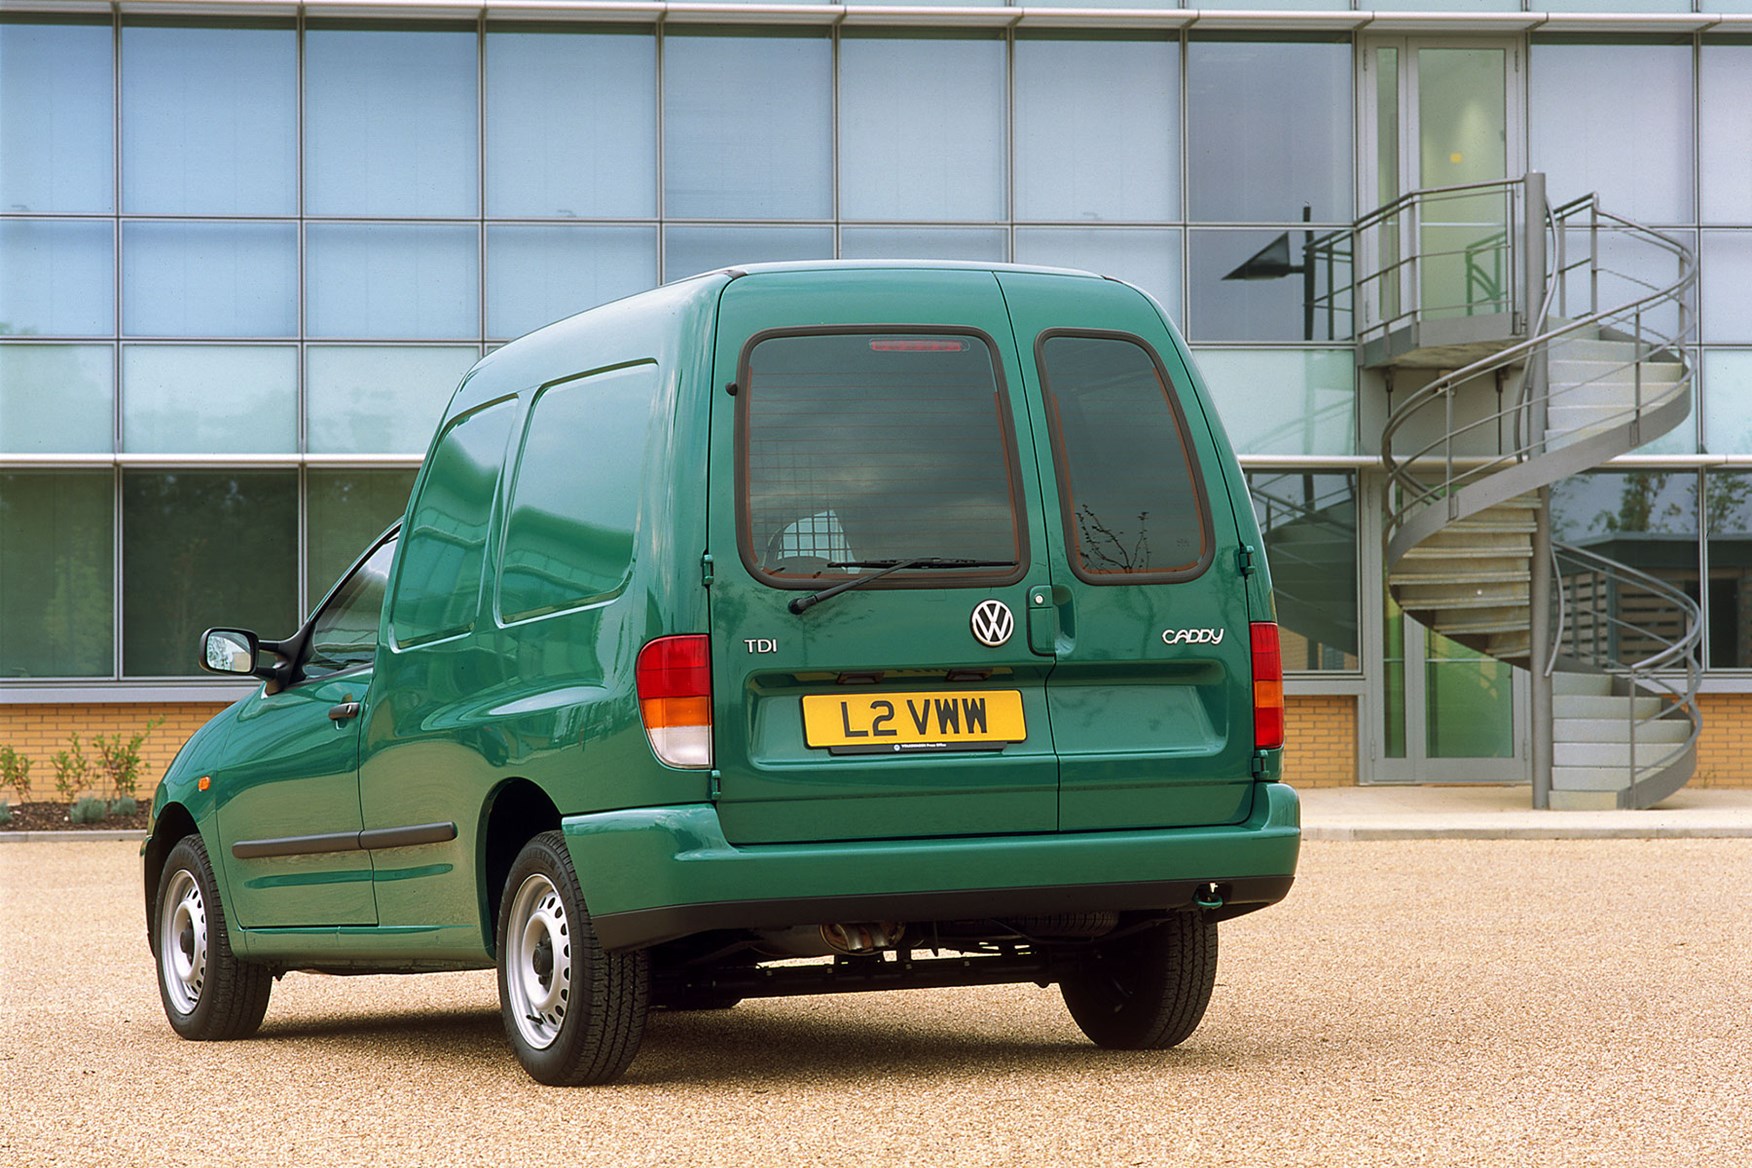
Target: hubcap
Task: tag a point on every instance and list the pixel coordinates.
(538, 961)
(182, 942)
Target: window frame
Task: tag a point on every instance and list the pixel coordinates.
(308, 636)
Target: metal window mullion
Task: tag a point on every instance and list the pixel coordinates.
(658, 47)
(1010, 142)
(302, 558)
(833, 100)
(117, 583)
(481, 180)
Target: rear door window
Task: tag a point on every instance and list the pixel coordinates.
(1133, 504)
(860, 450)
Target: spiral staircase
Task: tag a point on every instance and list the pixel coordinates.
(1535, 343)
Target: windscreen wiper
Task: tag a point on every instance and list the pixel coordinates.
(803, 604)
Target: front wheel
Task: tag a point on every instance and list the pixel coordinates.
(1148, 990)
(208, 994)
(574, 1013)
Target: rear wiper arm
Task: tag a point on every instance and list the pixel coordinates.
(803, 604)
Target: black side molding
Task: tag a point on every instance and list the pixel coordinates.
(345, 841)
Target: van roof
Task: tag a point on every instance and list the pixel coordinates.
(879, 265)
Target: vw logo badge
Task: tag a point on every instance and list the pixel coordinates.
(993, 623)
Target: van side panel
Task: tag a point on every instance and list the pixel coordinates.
(540, 688)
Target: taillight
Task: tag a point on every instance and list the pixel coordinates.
(1268, 687)
(674, 680)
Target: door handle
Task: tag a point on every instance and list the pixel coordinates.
(1042, 621)
(344, 711)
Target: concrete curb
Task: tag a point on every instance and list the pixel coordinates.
(1350, 833)
(96, 835)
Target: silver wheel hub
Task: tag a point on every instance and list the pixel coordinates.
(182, 942)
(538, 961)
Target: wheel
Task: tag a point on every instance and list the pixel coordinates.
(1148, 990)
(574, 1013)
(209, 995)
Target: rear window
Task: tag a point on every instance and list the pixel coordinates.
(1133, 507)
(862, 449)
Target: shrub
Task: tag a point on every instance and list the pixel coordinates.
(5, 812)
(122, 808)
(118, 759)
(88, 811)
(72, 770)
(15, 772)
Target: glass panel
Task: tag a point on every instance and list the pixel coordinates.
(1268, 130)
(57, 279)
(1469, 702)
(866, 448)
(1147, 257)
(57, 399)
(985, 244)
(1256, 286)
(537, 275)
(1588, 135)
(606, 165)
(1724, 274)
(396, 281)
(585, 440)
(1126, 482)
(203, 549)
(210, 279)
(1463, 239)
(1284, 401)
(57, 117)
(691, 250)
(378, 399)
(897, 161)
(57, 574)
(1729, 612)
(210, 120)
(444, 545)
(1309, 523)
(348, 509)
(1646, 519)
(209, 399)
(390, 123)
(1725, 133)
(344, 634)
(1393, 679)
(748, 127)
(1727, 402)
(1097, 129)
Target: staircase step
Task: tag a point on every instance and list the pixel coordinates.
(1480, 626)
(1609, 755)
(1436, 574)
(1589, 684)
(1568, 705)
(1431, 550)
(1584, 800)
(1590, 778)
(1617, 730)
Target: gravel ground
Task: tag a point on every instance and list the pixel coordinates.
(1431, 1002)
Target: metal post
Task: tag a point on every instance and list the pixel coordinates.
(1539, 584)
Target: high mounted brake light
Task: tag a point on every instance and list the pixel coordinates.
(1268, 687)
(674, 680)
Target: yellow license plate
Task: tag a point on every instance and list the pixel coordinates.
(932, 719)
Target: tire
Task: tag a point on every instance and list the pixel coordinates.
(208, 994)
(1148, 990)
(574, 1014)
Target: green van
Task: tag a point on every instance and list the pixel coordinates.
(806, 628)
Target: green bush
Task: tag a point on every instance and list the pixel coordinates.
(15, 772)
(118, 759)
(72, 770)
(123, 807)
(89, 811)
(5, 812)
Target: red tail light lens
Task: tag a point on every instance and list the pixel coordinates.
(674, 681)
(1268, 687)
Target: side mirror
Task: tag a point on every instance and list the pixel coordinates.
(229, 651)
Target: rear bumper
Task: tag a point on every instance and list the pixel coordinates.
(657, 873)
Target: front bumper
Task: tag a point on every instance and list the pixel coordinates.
(653, 874)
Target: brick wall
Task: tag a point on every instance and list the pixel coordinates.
(1320, 740)
(38, 731)
(1724, 753)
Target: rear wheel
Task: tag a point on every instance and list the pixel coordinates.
(1147, 990)
(574, 1013)
(208, 994)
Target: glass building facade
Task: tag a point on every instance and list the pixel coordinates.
(244, 259)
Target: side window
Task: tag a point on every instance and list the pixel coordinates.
(1128, 482)
(575, 501)
(437, 590)
(345, 633)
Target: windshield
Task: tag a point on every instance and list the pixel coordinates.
(865, 449)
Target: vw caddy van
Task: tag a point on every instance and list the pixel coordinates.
(800, 629)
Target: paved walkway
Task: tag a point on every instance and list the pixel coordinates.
(1492, 812)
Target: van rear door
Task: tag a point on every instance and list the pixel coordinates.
(880, 447)
(1151, 696)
